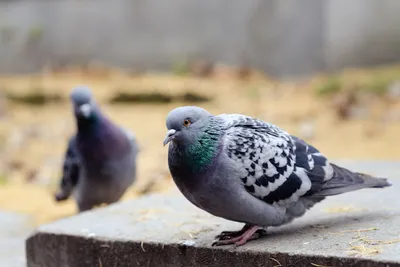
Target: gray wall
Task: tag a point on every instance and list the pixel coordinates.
(283, 37)
(362, 33)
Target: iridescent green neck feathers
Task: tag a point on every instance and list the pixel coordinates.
(199, 155)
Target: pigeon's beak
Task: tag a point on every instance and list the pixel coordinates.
(169, 136)
(85, 110)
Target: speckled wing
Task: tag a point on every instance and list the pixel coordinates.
(274, 166)
(317, 167)
(71, 169)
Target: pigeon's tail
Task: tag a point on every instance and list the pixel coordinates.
(345, 181)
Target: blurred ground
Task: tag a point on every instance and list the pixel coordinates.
(347, 116)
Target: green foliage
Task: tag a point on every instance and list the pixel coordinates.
(156, 97)
(193, 97)
(3, 179)
(331, 86)
(374, 81)
(36, 33)
(378, 85)
(36, 97)
(181, 68)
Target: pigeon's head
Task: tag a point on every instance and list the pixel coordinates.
(83, 103)
(184, 124)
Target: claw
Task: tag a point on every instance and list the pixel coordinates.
(227, 235)
(239, 238)
(231, 234)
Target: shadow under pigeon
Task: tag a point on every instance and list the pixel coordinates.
(339, 223)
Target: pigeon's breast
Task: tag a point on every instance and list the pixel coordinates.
(106, 159)
(192, 183)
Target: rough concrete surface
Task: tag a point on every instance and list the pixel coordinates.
(13, 231)
(166, 230)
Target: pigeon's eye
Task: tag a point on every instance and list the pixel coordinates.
(186, 123)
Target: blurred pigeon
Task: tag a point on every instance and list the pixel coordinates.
(246, 170)
(100, 161)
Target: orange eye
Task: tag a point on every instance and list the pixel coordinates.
(186, 123)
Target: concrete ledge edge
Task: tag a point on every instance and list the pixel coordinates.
(45, 249)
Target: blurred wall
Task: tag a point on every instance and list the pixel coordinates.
(283, 37)
(362, 33)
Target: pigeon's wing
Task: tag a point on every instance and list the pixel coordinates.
(132, 139)
(274, 166)
(71, 170)
(317, 167)
(131, 136)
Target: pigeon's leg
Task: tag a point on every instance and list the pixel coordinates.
(61, 196)
(231, 234)
(251, 233)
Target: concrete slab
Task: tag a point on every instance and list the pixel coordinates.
(356, 229)
(14, 228)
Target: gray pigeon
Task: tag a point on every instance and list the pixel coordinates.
(246, 170)
(100, 161)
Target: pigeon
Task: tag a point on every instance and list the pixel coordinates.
(100, 160)
(246, 170)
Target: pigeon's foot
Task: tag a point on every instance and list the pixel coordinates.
(61, 196)
(241, 237)
(231, 234)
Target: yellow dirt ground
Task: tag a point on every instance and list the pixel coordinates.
(33, 139)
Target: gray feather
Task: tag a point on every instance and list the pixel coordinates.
(100, 161)
(344, 180)
(250, 171)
